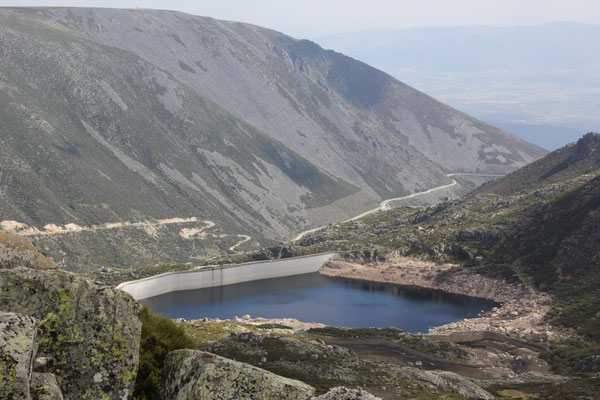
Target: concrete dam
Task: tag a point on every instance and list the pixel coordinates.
(222, 275)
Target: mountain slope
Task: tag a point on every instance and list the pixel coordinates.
(568, 162)
(94, 134)
(138, 115)
(527, 220)
(282, 86)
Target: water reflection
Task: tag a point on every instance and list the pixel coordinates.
(317, 298)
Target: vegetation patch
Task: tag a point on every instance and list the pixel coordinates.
(160, 335)
(301, 356)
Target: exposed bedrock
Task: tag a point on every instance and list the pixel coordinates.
(88, 334)
(195, 375)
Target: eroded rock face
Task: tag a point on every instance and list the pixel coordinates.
(18, 344)
(191, 374)
(343, 393)
(90, 332)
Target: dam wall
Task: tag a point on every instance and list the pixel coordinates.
(223, 275)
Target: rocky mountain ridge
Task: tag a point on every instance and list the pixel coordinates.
(346, 99)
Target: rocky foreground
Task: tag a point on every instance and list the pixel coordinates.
(313, 357)
(66, 333)
(208, 376)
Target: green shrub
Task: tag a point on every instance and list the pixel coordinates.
(160, 335)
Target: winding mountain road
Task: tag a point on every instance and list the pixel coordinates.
(244, 240)
(384, 205)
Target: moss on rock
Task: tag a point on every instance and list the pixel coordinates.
(92, 332)
(17, 349)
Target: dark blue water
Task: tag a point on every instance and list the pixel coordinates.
(317, 298)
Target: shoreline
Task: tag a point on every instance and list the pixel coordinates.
(521, 311)
(500, 345)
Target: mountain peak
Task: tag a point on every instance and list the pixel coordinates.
(586, 146)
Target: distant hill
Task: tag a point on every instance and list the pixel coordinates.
(114, 116)
(528, 79)
(474, 48)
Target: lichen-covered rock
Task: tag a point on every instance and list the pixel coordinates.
(195, 375)
(45, 387)
(343, 393)
(91, 332)
(449, 380)
(17, 350)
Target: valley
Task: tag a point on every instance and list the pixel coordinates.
(206, 209)
(149, 127)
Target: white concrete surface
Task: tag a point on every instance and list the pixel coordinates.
(219, 276)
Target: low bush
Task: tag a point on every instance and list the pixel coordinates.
(160, 336)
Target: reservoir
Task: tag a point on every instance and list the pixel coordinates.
(312, 297)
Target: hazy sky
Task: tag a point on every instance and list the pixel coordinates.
(313, 18)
